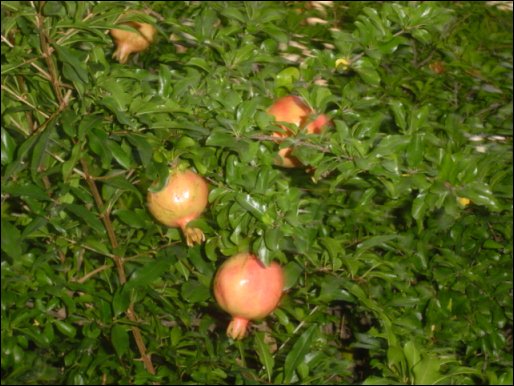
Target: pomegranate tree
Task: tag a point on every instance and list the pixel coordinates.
(247, 290)
(182, 200)
(128, 42)
(292, 109)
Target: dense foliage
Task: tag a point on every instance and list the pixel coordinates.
(396, 238)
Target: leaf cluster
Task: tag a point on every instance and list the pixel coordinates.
(396, 237)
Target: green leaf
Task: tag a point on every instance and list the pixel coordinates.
(26, 190)
(426, 372)
(379, 240)
(195, 292)
(120, 301)
(412, 354)
(120, 339)
(122, 183)
(65, 328)
(147, 274)
(117, 107)
(367, 71)
(272, 238)
(422, 35)
(134, 218)
(262, 252)
(71, 57)
(418, 210)
(292, 272)
(122, 157)
(252, 205)
(144, 149)
(398, 110)
(287, 77)
(263, 351)
(11, 239)
(87, 123)
(415, 150)
(332, 289)
(298, 352)
(90, 218)
(200, 63)
(8, 147)
(480, 193)
(419, 118)
(396, 359)
(36, 224)
(221, 138)
(39, 154)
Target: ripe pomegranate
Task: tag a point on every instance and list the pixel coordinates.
(292, 109)
(318, 125)
(128, 42)
(247, 290)
(182, 200)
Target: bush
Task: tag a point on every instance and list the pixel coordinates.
(396, 236)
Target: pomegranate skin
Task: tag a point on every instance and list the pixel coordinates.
(293, 109)
(318, 125)
(290, 109)
(182, 200)
(128, 42)
(247, 290)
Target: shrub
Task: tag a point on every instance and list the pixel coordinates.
(396, 239)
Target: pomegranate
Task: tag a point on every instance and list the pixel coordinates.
(183, 199)
(292, 109)
(318, 125)
(437, 67)
(128, 42)
(247, 290)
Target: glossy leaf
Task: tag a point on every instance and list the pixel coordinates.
(120, 339)
(298, 351)
(264, 354)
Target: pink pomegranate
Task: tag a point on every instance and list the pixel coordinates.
(182, 200)
(247, 290)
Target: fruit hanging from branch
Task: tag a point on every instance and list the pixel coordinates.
(128, 42)
(182, 200)
(292, 109)
(247, 290)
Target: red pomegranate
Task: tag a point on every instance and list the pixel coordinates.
(247, 290)
(183, 199)
(292, 109)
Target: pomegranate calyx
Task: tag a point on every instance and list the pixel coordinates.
(193, 235)
(237, 328)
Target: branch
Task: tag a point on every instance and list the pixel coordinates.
(118, 261)
(47, 55)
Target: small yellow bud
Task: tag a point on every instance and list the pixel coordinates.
(342, 64)
(464, 201)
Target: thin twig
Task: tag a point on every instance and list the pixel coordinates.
(79, 172)
(61, 108)
(89, 248)
(43, 72)
(93, 273)
(47, 55)
(23, 100)
(296, 329)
